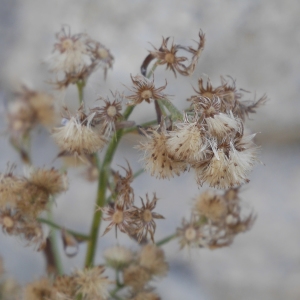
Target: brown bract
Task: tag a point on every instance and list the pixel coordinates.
(108, 114)
(123, 187)
(119, 217)
(144, 89)
(168, 56)
(146, 218)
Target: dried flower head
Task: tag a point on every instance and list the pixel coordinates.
(11, 188)
(217, 123)
(14, 222)
(145, 218)
(118, 257)
(64, 287)
(231, 162)
(39, 185)
(168, 57)
(39, 290)
(51, 181)
(158, 161)
(152, 258)
(91, 284)
(189, 233)
(123, 187)
(119, 216)
(108, 114)
(136, 277)
(206, 92)
(76, 56)
(187, 142)
(144, 89)
(229, 99)
(101, 56)
(211, 205)
(29, 109)
(70, 52)
(79, 135)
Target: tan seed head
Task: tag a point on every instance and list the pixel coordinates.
(118, 217)
(146, 94)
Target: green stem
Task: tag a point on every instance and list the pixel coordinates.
(175, 113)
(131, 129)
(166, 240)
(152, 69)
(138, 173)
(54, 247)
(80, 86)
(101, 193)
(77, 235)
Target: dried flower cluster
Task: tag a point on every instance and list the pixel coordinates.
(84, 133)
(175, 63)
(76, 57)
(210, 139)
(88, 284)
(29, 109)
(215, 221)
(24, 198)
(128, 218)
(139, 268)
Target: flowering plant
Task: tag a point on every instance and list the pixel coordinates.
(208, 138)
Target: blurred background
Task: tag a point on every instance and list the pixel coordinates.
(255, 42)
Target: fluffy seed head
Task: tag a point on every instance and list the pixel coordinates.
(157, 160)
(52, 181)
(37, 290)
(211, 205)
(79, 136)
(152, 258)
(118, 257)
(187, 142)
(11, 188)
(136, 277)
(91, 284)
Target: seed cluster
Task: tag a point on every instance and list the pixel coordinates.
(24, 198)
(215, 221)
(210, 139)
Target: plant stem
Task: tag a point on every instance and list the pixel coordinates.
(77, 235)
(135, 128)
(175, 113)
(152, 69)
(166, 240)
(54, 247)
(80, 86)
(138, 173)
(101, 193)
